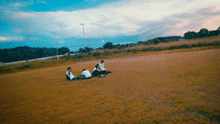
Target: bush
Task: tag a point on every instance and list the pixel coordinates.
(157, 49)
(108, 45)
(25, 66)
(135, 51)
(116, 52)
(184, 46)
(96, 54)
(216, 43)
(80, 56)
(173, 47)
(193, 45)
(120, 47)
(147, 49)
(106, 53)
(67, 58)
(200, 44)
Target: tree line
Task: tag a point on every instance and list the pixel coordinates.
(202, 33)
(110, 45)
(188, 35)
(26, 53)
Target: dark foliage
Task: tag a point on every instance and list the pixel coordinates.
(96, 54)
(85, 50)
(202, 33)
(108, 45)
(106, 53)
(25, 66)
(26, 53)
(162, 39)
(63, 50)
(80, 55)
(116, 51)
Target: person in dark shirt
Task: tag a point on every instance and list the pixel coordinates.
(96, 71)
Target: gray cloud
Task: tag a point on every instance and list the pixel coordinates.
(170, 24)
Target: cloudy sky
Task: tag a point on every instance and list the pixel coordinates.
(30, 22)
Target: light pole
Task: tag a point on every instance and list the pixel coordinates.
(83, 33)
(56, 44)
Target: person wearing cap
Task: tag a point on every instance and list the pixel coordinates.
(70, 76)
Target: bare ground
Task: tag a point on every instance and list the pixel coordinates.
(164, 88)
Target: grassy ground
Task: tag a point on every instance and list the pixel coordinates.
(82, 58)
(193, 44)
(172, 86)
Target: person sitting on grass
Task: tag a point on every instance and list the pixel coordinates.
(103, 70)
(85, 74)
(70, 76)
(96, 71)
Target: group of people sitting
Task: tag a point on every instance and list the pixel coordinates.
(99, 71)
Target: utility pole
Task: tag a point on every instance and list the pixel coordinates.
(56, 44)
(83, 33)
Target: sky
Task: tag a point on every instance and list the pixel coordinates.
(43, 23)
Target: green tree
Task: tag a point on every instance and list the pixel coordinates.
(84, 50)
(190, 35)
(40, 52)
(63, 50)
(156, 41)
(87, 49)
(108, 45)
(203, 32)
(218, 28)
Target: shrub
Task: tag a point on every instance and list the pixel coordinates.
(173, 47)
(25, 66)
(216, 43)
(157, 49)
(193, 45)
(200, 44)
(108, 45)
(147, 49)
(116, 52)
(80, 56)
(120, 47)
(96, 54)
(106, 53)
(135, 51)
(184, 46)
(67, 58)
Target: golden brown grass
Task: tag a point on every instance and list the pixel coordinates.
(181, 87)
(54, 62)
(188, 42)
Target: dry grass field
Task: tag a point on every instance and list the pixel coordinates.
(178, 87)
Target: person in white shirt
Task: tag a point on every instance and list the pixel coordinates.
(70, 76)
(101, 66)
(103, 70)
(85, 74)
